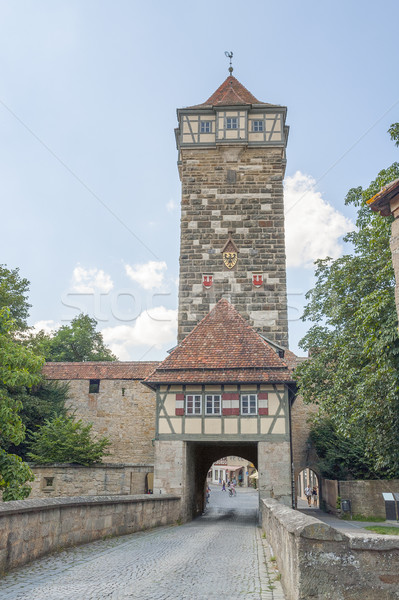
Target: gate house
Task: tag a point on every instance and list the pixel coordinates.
(224, 390)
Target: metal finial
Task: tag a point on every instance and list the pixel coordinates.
(230, 56)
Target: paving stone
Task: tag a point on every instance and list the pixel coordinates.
(219, 555)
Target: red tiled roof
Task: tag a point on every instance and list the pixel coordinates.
(221, 348)
(381, 201)
(231, 92)
(98, 370)
(293, 360)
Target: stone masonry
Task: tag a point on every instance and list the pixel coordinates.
(123, 411)
(236, 189)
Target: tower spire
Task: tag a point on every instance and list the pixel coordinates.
(230, 56)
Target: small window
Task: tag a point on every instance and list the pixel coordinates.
(231, 123)
(193, 405)
(257, 126)
(94, 386)
(213, 404)
(249, 404)
(205, 126)
(49, 481)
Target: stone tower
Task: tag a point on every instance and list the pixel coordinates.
(231, 164)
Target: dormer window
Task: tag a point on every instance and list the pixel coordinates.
(206, 127)
(257, 126)
(231, 122)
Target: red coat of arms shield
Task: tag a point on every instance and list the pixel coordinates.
(207, 281)
(257, 279)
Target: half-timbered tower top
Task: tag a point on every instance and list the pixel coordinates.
(232, 114)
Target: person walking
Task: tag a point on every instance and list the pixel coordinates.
(314, 495)
(223, 486)
(308, 494)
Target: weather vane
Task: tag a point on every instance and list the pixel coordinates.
(230, 56)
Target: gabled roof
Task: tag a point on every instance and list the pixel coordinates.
(98, 370)
(381, 201)
(231, 92)
(222, 348)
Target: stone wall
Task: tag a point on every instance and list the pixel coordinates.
(302, 456)
(123, 411)
(274, 468)
(75, 480)
(366, 496)
(321, 563)
(33, 528)
(330, 494)
(235, 189)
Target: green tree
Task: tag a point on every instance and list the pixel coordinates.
(353, 372)
(39, 403)
(62, 439)
(394, 133)
(13, 294)
(19, 369)
(76, 342)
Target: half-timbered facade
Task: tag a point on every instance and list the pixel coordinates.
(223, 385)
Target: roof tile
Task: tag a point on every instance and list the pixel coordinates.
(98, 370)
(222, 348)
(231, 92)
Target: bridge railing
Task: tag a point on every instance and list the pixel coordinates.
(320, 562)
(35, 527)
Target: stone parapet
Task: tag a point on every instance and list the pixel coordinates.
(55, 480)
(319, 562)
(35, 527)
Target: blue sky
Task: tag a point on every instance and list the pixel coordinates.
(89, 183)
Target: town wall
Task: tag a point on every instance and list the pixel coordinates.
(366, 496)
(33, 528)
(317, 561)
(123, 411)
(55, 480)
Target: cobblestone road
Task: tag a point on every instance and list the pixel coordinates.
(220, 555)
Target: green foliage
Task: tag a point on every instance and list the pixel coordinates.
(339, 457)
(353, 373)
(19, 369)
(14, 475)
(41, 402)
(13, 292)
(394, 133)
(76, 342)
(384, 530)
(62, 439)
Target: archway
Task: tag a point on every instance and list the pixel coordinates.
(201, 456)
(308, 479)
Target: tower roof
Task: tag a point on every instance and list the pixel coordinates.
(222, 348)
(231, 92)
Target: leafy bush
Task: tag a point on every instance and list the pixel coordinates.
(62, 439)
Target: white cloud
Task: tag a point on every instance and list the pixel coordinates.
(149, 275)
(155, 327)
(171, 206)
(46, 326)
(312, 226)
(88, 281)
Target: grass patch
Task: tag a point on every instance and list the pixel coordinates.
(273, 559)
(384, 530)
(358, 517)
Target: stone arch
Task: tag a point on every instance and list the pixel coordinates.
(201, 456)
(308, 475)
